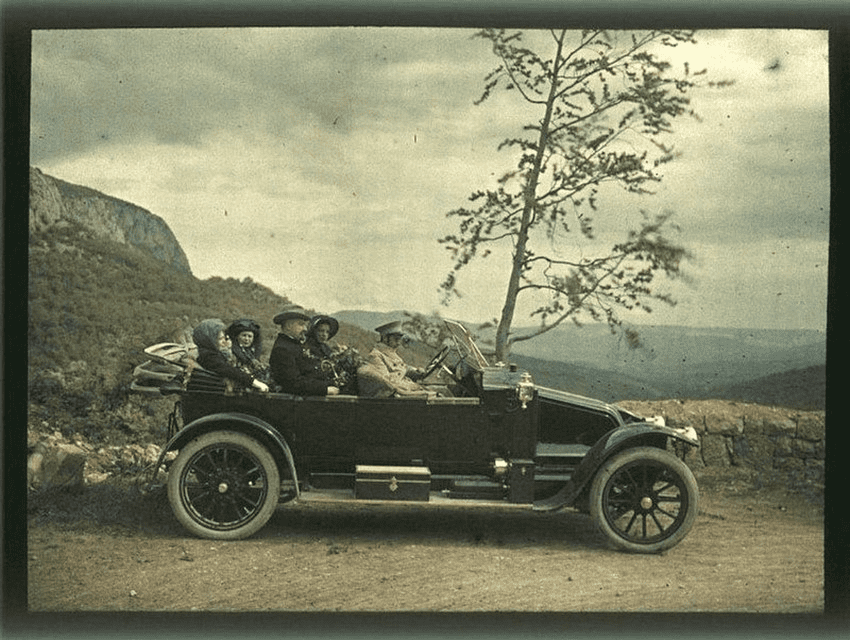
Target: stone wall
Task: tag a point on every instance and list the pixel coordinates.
(784, 443)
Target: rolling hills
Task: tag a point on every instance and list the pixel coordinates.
(785, 367)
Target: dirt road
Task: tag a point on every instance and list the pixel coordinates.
(757, 551)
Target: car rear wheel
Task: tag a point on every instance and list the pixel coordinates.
(645, 500)
(223, 485)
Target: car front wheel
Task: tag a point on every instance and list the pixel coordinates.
(645, 500)
(223, 485)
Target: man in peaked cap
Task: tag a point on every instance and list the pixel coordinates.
(385, 373)
(291, 366)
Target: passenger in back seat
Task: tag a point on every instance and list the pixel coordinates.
(335, 362)
(291, 365)
(214, 354)
(246, 345)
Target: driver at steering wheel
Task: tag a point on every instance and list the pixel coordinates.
(385, 373)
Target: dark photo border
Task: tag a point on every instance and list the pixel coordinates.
(20, 18)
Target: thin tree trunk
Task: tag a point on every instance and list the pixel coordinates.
(503, 331)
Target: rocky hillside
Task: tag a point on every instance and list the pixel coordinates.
(55, 203)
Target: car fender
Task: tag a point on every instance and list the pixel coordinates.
(243, 423)
(633, 435)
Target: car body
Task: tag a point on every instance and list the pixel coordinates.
(499, 441)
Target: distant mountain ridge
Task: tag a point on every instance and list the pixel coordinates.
(684, 359)
(672, 361)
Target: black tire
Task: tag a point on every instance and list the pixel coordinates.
(645, 500)
(223, 485)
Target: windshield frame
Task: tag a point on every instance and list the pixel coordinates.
(466, 345)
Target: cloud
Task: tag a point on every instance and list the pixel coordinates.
(176, 85)
(756, 283)
(336, 153)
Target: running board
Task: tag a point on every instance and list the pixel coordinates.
(435, 499)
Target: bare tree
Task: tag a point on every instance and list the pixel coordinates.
(605, 101)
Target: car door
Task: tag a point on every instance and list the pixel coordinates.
(440, 432)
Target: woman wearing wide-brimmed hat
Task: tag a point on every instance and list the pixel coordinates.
(322, 328)
(291, 365)
(337, 363)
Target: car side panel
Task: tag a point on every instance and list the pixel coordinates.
(322, 428)
(398, 431)
(573, 424)
(334, 434)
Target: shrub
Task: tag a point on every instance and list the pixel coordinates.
(77, 404)
(42, 389)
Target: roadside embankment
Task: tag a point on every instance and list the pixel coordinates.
(772, 443)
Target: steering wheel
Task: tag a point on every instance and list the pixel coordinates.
(436, 361)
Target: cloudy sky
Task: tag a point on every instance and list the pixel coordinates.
(321, 161)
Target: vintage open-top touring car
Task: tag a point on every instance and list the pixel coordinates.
(500, 441)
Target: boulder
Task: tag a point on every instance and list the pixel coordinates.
(811, 426)
(59, 465)
(724, 424)
(55, 462)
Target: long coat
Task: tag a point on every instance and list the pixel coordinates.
(294, 370)
(386, 373)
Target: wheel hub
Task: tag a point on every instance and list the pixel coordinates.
(646, 503)
(222, 487)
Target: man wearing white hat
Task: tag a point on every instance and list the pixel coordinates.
(385, 373)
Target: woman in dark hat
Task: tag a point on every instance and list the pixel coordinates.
(292, 366)
(322, 329)
(214, 354)
(336, 363)
(247, 345)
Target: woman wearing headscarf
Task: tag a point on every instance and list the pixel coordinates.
(246, 345)
(214, 354)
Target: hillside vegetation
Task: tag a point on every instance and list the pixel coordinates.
(95, 304)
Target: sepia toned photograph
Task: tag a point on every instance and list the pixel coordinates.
(385, 319)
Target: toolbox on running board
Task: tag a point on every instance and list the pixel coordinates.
(374, 482)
